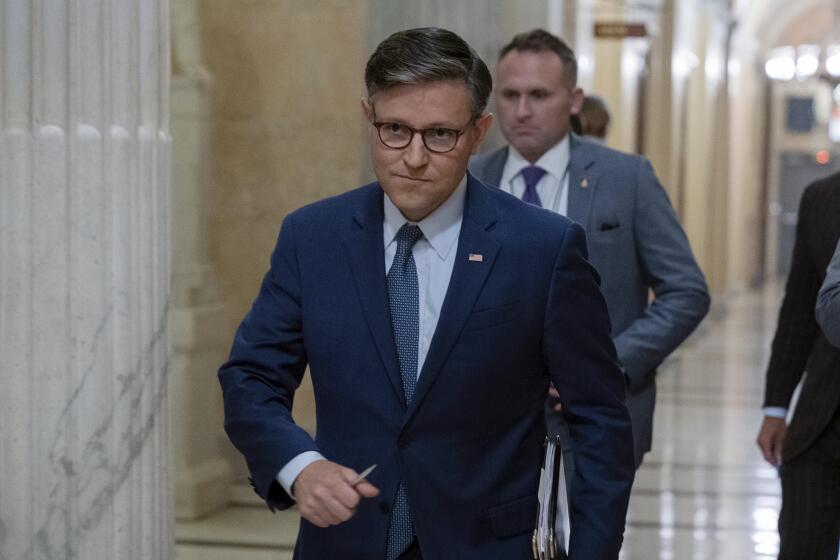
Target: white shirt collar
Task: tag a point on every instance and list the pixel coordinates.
(554, 161)
(440, 228)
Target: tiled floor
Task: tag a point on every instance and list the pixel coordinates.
(703, 493)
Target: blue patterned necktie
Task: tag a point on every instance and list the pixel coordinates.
(532, 175)
(404, 301)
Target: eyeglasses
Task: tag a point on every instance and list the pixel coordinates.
(438, 140)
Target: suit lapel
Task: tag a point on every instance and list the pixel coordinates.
(582, 178)
(366, 251)
(490, 169)
(468, 277)
(582, 182)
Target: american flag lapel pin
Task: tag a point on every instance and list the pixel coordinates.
(475, 257)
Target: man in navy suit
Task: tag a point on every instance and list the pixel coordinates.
(432, 312)
(635, 241)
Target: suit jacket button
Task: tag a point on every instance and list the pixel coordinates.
(402, 441)
(385, 507)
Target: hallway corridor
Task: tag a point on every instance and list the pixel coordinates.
(703, 493)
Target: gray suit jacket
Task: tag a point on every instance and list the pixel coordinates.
(828, 302)
(636, 244)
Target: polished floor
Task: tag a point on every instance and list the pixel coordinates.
(703, 493)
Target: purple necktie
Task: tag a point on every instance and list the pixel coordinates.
(532, 175)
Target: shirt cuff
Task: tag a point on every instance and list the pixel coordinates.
(775, 411)
(288, 474)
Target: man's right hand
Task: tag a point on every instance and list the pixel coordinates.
(771, 439)
(324, 493)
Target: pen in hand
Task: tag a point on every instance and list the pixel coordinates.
(364, 474)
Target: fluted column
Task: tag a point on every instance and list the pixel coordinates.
(84, 280)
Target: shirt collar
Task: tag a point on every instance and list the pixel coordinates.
(440, 228)
(554, 161)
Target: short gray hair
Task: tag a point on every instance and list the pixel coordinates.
(428, 54)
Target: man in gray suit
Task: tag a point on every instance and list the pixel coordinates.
(635, 241)
(828, 302)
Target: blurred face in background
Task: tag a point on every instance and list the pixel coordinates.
(535, 101)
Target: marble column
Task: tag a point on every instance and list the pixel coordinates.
(84, 280)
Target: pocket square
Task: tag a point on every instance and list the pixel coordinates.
(607, 226)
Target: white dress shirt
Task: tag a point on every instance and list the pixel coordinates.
(553, 187)
(434, 257)
(775, 411)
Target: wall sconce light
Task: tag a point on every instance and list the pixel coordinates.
(802, 62)
(781, 64)
(808, 61)
(832, 61)
(684, 62)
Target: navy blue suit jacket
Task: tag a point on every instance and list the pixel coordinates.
(469, 446)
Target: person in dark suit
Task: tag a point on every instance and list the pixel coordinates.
(828, 301)
(635, 241)
(807, 450)
(432, 312)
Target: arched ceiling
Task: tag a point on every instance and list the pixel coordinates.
(770, 23)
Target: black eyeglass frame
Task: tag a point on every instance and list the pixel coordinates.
(422, 131)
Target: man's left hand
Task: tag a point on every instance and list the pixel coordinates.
(552, 392)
